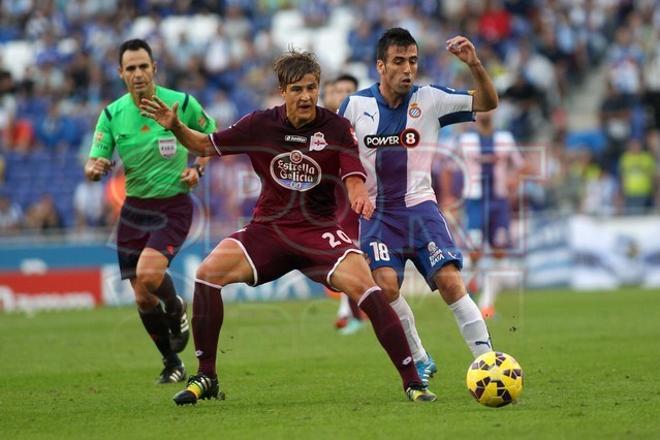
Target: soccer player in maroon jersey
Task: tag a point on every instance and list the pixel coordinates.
(300, 152)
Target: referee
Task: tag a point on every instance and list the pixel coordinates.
(157, 213)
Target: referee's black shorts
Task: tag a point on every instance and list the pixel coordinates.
(161, 224)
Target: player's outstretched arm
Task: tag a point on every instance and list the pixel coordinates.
(358, 196)
(198, 143)
(485, 96)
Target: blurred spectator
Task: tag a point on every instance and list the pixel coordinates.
(89, 204)
(51, 129)
(362, 39)
(11, 216)
(637, 175)
(43, 216)
(7, 109)
(222, 109)
(495, 22)
(652, 89)
(615, 121)
(526, 113)
(624, 60)
(600, 196)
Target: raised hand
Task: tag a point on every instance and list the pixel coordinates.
(157, 110)
(463, 49)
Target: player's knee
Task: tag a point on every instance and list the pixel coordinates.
(391, 292)
(204, 273)
(450, 284)
(209, 273)
(149, 280)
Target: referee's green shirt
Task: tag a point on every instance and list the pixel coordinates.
(153, 159)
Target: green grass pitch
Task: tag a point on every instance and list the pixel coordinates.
(591, 363)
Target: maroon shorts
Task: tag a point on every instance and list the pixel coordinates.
(274, 250)
(161, 224)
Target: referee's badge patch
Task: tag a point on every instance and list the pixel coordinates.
(167, 147)
(414, 111)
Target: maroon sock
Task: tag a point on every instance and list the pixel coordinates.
(207, 315)
(390, 334)
(355, 309)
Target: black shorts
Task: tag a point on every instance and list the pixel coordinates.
(160, 224)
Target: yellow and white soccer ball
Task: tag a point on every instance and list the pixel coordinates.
(495, 379)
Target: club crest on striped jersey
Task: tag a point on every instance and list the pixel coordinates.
(414, 111)
(295, 171)
(317, 142)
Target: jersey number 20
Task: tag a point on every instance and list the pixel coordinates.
(333, 240)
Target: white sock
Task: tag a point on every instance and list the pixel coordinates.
(344, 310)
(472, 325)
(491, 287)
(402, 309)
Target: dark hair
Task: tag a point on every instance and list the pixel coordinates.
(393, 37)
(347, 77)
(134, 44)
(293, 65)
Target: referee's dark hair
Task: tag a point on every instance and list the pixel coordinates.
(134, 44)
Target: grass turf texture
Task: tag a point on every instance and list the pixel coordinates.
(591, 365)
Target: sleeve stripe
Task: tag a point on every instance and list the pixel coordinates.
(453, 118)
(107, 114)
(217, 150)
(185, 102)
(355, 173)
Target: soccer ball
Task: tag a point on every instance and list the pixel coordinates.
(495, 379)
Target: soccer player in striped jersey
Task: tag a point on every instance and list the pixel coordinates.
(397, 125)
(493, 165)
(157, 213)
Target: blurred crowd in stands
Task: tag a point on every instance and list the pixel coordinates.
(58, 69)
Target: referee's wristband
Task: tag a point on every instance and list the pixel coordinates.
(200, 169)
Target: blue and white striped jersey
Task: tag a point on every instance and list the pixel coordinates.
(397, 146)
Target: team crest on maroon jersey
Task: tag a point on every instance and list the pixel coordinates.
(295, 171)
(317, 142)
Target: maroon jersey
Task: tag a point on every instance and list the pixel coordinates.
(298, 168)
